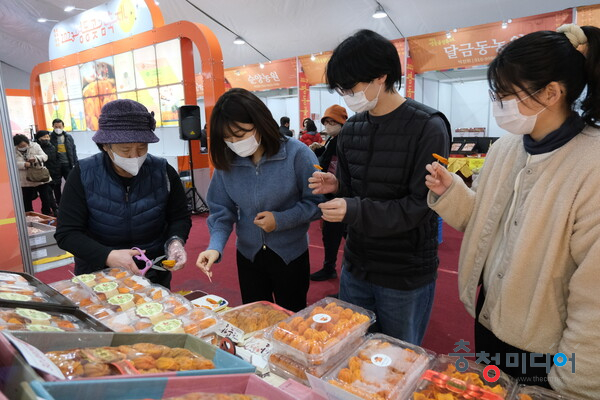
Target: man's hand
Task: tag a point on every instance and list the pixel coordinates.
(266, 221)
(333, 210)
(123, 258)
(323, 183)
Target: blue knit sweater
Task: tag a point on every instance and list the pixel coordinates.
(278, 184)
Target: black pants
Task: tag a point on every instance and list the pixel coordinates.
(269, 276)
(485, 340)
(332, 237)
(29, 194)
(49, 206)
(65, 169)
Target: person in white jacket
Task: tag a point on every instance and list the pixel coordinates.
(532, 219)
(28, 155)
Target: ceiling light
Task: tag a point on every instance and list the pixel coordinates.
(454, 30)
(261, 65)
(504, 24)
(509, 21)
(156, 2)
(42, 20)
(312, 57)
(69, 8)
(239, 40)
(448, 34)
(379, 12)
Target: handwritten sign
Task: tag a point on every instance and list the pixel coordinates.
(227, 330)
(35, 357)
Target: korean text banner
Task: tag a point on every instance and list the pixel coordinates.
(588, 15)
(477, 45)
(108, 22)
(275, 75)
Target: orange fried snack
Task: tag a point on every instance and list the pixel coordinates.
(254, 317)
(168, 263)
(317, 166)
(440, 158)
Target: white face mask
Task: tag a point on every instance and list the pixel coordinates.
(509, 118)
(58, 131)
(245, 147)
(358, 101)
(333, 130)
(131, 165)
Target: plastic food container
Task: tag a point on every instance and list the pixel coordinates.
(537, 393)
(253, 317)
(19, 289)
(197, 322)
(444, 379)
(45, 319)
(381, 368)
(211, 302)
(317, 333)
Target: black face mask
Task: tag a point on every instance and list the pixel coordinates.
(44, 141)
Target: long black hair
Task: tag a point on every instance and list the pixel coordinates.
(534, 60)
(239, 106)
(311, 126)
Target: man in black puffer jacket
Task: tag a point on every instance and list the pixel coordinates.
(390, 259)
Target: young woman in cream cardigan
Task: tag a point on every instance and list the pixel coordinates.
(532, 219)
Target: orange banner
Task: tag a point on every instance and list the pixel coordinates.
(588, 15)
(314, 65)
(477, 45)
(410, 79)
(304, 96)
(277, 74)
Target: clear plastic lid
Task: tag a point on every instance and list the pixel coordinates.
(26, 319)
(255, 316)
(197, 322)
(315, 334)
(21, 291)
(443, 379)
(382, 368)
(537, 393)
(8, 278)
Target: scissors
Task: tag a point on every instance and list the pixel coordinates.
(149, 263)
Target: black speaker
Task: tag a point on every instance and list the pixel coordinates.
(189, 122)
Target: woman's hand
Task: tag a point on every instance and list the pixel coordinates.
(27, 164)
(206, 259)
(439, 179)
(323, 183)
(266, 221)
(123, 258)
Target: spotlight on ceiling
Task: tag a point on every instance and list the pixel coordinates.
(239, 40)
(504, 24)
(312, 57)
(261, 65)
(42, 20)
(69, 8)
(448, 35)
(379, 12)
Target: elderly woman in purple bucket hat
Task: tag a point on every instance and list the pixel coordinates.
(124, 198)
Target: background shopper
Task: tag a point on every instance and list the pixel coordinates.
(30, 155)
(66, 154)
(333, 120)
(284, 128)
(49, 206)
(390, 258)
(311, 135)
(531, 221)
(259, 185)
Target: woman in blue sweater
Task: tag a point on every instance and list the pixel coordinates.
(259, 185)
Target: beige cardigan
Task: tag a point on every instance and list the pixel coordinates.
(549, 296)
(34, 151)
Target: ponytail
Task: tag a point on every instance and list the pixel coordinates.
(590, 105)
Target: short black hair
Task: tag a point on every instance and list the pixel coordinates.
(20, 138)
(40, 134)
(284, 120)
(310, 126)
(363, 57)
(240, 106)
(58, 121)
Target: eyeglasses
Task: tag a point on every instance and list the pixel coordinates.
(344, 92)
(494, 97)
(329, 122)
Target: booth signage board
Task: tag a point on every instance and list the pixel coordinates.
(20, 111)
(588, 15)
(108, 22)
(304, 96)
(277, 74)
(477, 45)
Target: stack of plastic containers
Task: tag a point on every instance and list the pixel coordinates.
(381, 368)
(315, 339)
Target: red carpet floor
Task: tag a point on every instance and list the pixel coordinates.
(449, 322)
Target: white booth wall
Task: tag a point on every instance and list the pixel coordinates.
(466, 103)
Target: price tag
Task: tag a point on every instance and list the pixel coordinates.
(36, 241)
(41, 253)
(227, 330)
(259, 347)
(35, 357)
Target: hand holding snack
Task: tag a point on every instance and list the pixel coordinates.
(205, 261)
(175, 252)
(439, 179)
(323, 183)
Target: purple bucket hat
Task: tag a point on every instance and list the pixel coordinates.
(125, 121)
